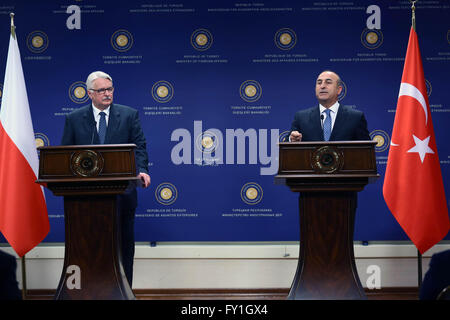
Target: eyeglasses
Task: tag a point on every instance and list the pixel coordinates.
(103, 90)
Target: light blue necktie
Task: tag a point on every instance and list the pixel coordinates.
(102, 127)
(327, 126)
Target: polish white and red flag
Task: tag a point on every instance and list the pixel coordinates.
(23, 212)
(413, 188)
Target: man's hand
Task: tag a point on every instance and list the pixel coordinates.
(145, 178)
(295, 136)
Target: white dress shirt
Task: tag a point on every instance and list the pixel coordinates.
(334, 109)
(97, 115)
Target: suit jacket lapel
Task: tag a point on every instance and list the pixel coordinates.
(316, 124)
(113, 124)
(90, 126)
(339, 123)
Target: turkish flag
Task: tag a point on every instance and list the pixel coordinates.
(413, 187)
(23, 211)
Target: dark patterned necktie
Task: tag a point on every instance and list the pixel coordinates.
(102, 127)
(327, 126)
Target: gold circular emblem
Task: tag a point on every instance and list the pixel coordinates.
(250, 90)
(37, 41)
(86, 163)
(162, 91)
(207, 142)
(122, 40)
(285, 38)
(327, 159)
(251, 193)
(380, 140)
(201, 39)
(371, 37)
(80, 92)
(39, 142)
(166, 193)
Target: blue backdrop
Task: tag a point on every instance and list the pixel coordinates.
(217, 84)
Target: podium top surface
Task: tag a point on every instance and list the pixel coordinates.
(326, 162)
(326, 143)
(90, 146)
(87, 163)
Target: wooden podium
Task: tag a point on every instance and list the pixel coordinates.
(328, 176)
(90, 178)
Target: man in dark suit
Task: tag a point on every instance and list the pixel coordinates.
(437, 277)
(330, 120)
(9, 289)
(104, 122)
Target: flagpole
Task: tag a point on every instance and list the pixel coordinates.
(419, 255)
(419, 269)
(24, 278)
(13, 27)
(413, 9)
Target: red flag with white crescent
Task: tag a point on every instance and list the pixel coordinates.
(413, 188)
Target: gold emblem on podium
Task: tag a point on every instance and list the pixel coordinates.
(327, 159)
(86, 163)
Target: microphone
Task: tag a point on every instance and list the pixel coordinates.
(321, 119)
(93, 132)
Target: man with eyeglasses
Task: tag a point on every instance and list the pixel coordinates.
(105, 122)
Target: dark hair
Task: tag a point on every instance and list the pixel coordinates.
(339, 81)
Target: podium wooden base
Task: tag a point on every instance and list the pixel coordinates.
(92, 264)
(326, 267)
(90, 177)
(328, 175)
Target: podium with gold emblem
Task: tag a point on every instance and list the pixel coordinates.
(328, 176)
(90, 178)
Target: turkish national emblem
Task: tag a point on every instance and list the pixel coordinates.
(413, 187)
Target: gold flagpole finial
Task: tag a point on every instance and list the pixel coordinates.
(13, 27)
(413, 8)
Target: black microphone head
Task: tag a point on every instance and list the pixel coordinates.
(321, 117)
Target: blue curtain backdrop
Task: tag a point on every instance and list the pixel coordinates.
(217, 84)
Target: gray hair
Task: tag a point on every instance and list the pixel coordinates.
(96, 75)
